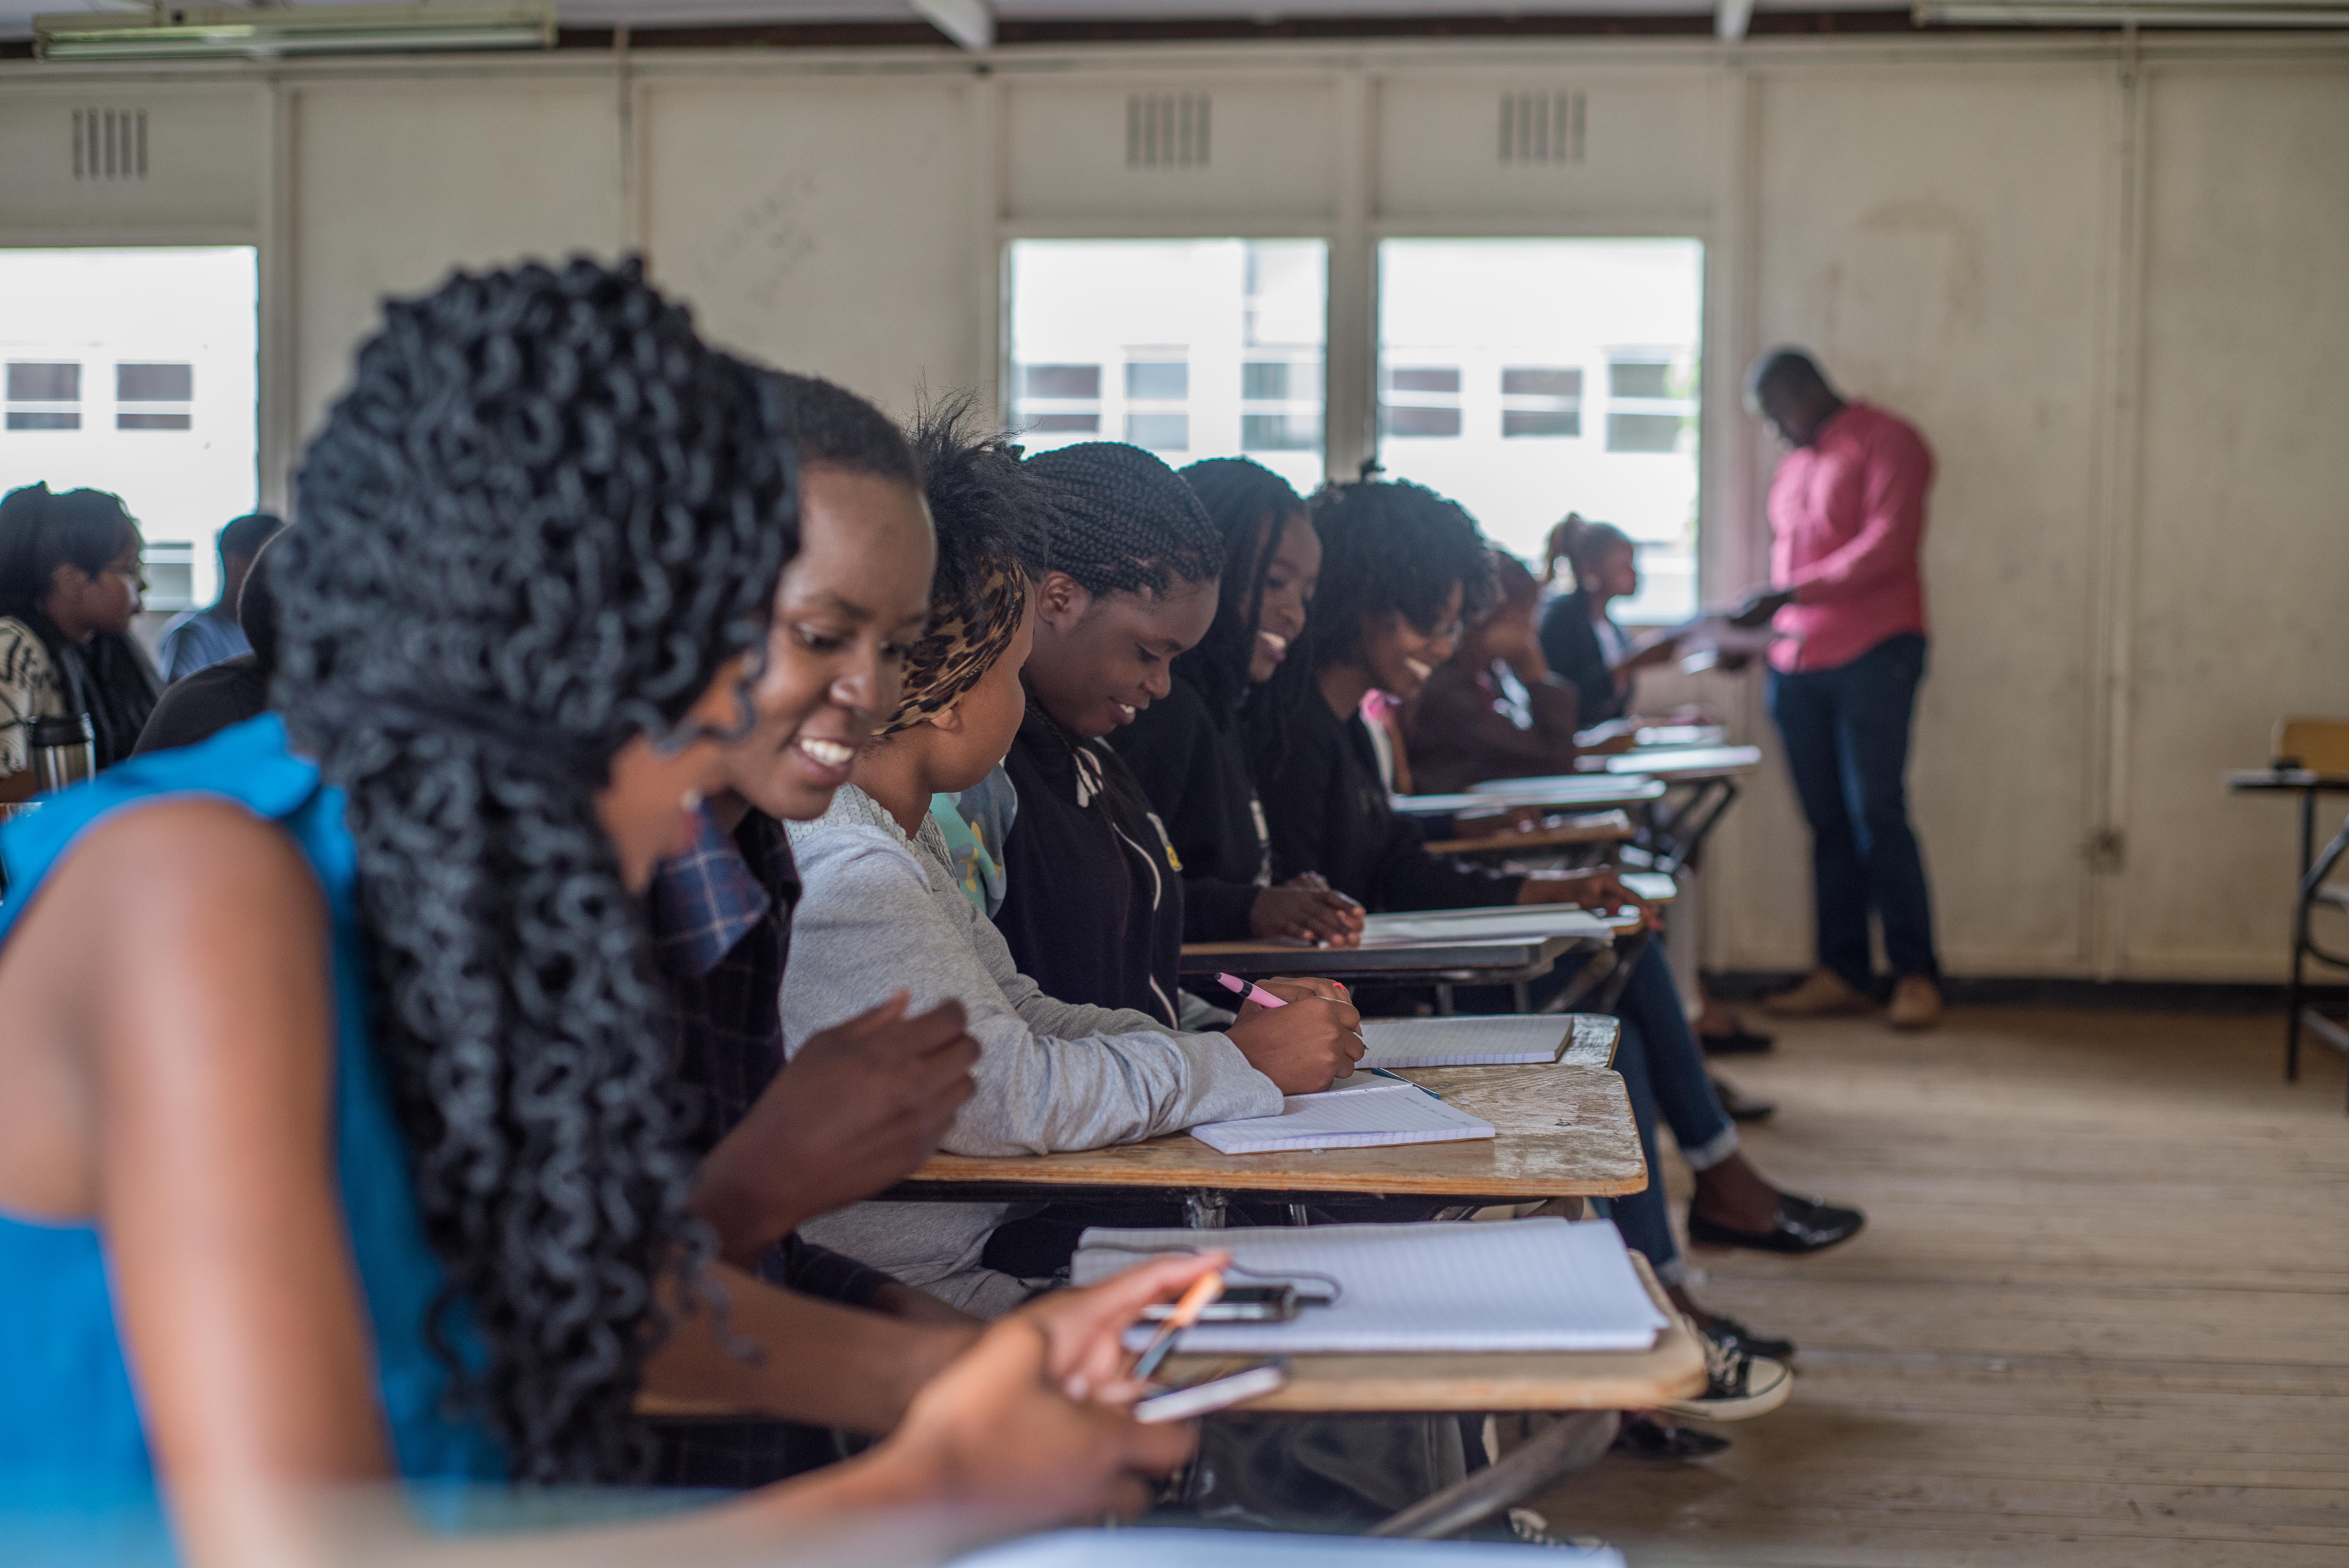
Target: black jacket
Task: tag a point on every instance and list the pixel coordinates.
(1329, 813)
(1092, 906)
(1192, 763)
(1571, 646)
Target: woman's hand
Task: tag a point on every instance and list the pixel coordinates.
(1303, 1046)
(1307, 909)
(1031, 1427)
(1596, 889)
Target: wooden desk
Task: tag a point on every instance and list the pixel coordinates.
(1671, 1368)
(1481, 961)
(1561, 791)
(1686, 762)
(1598, 828)
(1561, 1131)
(2308, 890)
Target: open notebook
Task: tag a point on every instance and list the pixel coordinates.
(1373, 1116)
(1517, 1285)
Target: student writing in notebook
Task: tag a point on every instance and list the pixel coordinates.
(1187, 748)
(1400, 565)
(884, 909)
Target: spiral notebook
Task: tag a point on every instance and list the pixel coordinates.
(1373, 1117)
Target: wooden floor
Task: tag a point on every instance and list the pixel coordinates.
(2100, 1315)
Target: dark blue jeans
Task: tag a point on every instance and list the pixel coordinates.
(1846, 736)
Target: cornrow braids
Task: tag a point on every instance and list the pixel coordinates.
(542, 520)
(832, 426)
(1249, 505)
(1390, 544)
(1124, 522)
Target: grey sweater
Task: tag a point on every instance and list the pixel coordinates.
(882, 913)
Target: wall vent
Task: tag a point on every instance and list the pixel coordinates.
(109, 144)
(1541, 128)
(1167, 130)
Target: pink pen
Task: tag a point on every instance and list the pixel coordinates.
(1256, 994)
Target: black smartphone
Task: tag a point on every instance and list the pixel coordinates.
(1214, 1394)
(1246, 1303)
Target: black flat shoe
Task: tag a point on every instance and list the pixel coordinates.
(1739, 1106)
(1739, 1041)
(1801, 1225)
(1646, 1437)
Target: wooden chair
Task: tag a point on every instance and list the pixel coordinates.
(2318, 745)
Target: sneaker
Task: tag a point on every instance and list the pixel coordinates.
(1736, 1337)
(1916, 1003)
(1738, 1387)
(1822, 993)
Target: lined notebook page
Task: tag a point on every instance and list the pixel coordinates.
(1479, 924)
(1500, 1041)
(1517, 1285)
(1374, 1116)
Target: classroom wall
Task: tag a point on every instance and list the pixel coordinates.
(2106, 286)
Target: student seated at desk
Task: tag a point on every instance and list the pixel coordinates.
(1186, 747)
(342, 1144)
(1492, 709)
(1400, 566)
(884, 910)
(1583, 644)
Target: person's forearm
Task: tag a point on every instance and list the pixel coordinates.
(822, 1363)
(748, 1220)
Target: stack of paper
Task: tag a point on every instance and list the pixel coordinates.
(1381, 1113)
(1501, 1039)
(1520, 1285)
(1499, 922)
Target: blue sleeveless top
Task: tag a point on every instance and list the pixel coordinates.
(68, 1413)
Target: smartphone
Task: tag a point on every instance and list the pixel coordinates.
(1215, 1394)
(1246, 1303)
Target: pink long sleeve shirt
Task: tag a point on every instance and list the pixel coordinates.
(1847, 521)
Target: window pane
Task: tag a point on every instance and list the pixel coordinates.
(1061, 381)
(1159, 432)
(44, 383)
(1218, 345)
(20, 419)
(1562, 346)
(152, 422)
(1423, 379)
(1158, 379)
(1541, 383)
(1515, 422)
(154, 383)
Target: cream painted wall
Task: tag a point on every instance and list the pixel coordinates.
(2111, 299)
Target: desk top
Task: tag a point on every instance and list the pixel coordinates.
(1671, 1368)
(1562, 1131)
(1598, 828)
(1591, 791)
(1686, 761)
(1478, 960)
(2286, 779)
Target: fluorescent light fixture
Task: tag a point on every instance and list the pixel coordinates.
(167, 33)
(2131, 13)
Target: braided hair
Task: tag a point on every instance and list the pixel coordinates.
(832, 426)
(1249, 505)
(1124, 522)
(542, 520)
(1390, 544)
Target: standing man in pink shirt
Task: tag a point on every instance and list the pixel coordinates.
(1846, 519)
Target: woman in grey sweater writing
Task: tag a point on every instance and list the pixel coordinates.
(884, 911)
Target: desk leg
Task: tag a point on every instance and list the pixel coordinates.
(1575, 1440)
(1205, 1211)
(1521, 997)
(1298, 1214)
(2299, 938)
(1443, 1001)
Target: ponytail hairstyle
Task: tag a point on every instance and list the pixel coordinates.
(1582, 545)
(1390, 545)
(988, 510)
(1249, 504)
(542, 520)
(41, 530)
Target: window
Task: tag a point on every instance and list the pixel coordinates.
(138, 375)
(1540, 402)
(1531, 333)
(153, 396)
(1193, 348)
(44, 397)
(1650, 402)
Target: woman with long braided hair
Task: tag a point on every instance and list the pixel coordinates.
(342, 1133)
(1188, 748)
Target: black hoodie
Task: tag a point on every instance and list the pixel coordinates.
(1093, 907)
(1194, 763)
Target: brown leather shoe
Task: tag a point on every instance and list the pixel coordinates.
(1822, 993)
(1916, 1003)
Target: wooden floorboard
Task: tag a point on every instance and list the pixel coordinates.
(2100, 1316)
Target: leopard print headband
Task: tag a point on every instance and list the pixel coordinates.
(961, 645)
